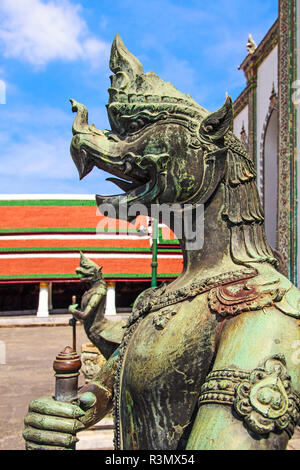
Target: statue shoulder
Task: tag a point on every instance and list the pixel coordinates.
(286, 296)
(260, 292)
(141, 298)
(263, 325)
(290, 303)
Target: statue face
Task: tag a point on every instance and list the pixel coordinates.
(89, 270)
(157, 148)
(154, 162)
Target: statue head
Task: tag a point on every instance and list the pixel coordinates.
(88, 270)
(163, 145)
(164, 148)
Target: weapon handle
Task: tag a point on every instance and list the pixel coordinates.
(72, 323)
(66, 367)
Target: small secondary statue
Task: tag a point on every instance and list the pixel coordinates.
(205, 362)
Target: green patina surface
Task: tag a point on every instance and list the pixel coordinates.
(206, 362)
(74, 276)
(48, 202)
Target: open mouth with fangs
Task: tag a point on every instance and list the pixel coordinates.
(135, 191)
(137, 186)
(90, 147)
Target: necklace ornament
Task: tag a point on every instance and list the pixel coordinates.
(157, 298)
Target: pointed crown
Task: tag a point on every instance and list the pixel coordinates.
(130, 85)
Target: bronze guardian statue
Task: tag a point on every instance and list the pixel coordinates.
(206, 362)
(105, 334)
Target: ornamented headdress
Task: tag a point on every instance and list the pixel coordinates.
(133, 90)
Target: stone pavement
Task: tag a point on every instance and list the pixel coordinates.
(294, 443)
(28, 374)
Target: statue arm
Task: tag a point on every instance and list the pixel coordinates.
(250, 400)
(102, 387)
(90, 307)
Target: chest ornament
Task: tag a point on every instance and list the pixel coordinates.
(263, 398)
(161, 318)
(231, 299)
(155, 300)
(158, 299)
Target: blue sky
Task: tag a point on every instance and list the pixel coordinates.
(55, 50)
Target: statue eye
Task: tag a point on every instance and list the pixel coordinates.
(136, 125)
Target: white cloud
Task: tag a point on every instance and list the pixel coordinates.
(39, 31)
(43, 164)
(35, 156)
(36, 141)
(96, 51)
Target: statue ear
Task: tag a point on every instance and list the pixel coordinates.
(215, 126)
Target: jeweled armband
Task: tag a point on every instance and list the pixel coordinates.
(264, 398)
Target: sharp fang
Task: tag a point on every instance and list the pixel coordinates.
(128, 168)
(124, 185)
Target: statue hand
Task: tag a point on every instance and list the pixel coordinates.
(52, 424)
(72, 308)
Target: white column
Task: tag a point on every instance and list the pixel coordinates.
(110, 308)
(43, 308)
(50, 305)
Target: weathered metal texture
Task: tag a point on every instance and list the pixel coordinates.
(160, 406)
(264, 397)
(92, 361)
(229, 310)
(66, 367)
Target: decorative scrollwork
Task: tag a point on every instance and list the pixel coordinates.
(238, 297)
(264, 398)
(157, 298)
(269, 399)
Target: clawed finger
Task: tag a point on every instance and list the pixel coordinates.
(52, 438)
(49, 406)
(53, 423)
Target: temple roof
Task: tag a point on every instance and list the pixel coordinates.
(41, 237)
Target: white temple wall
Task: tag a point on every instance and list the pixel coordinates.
(267, 74)
(271, 179)
(239, 120)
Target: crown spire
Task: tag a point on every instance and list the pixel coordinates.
(121, 60)
(130, 86)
